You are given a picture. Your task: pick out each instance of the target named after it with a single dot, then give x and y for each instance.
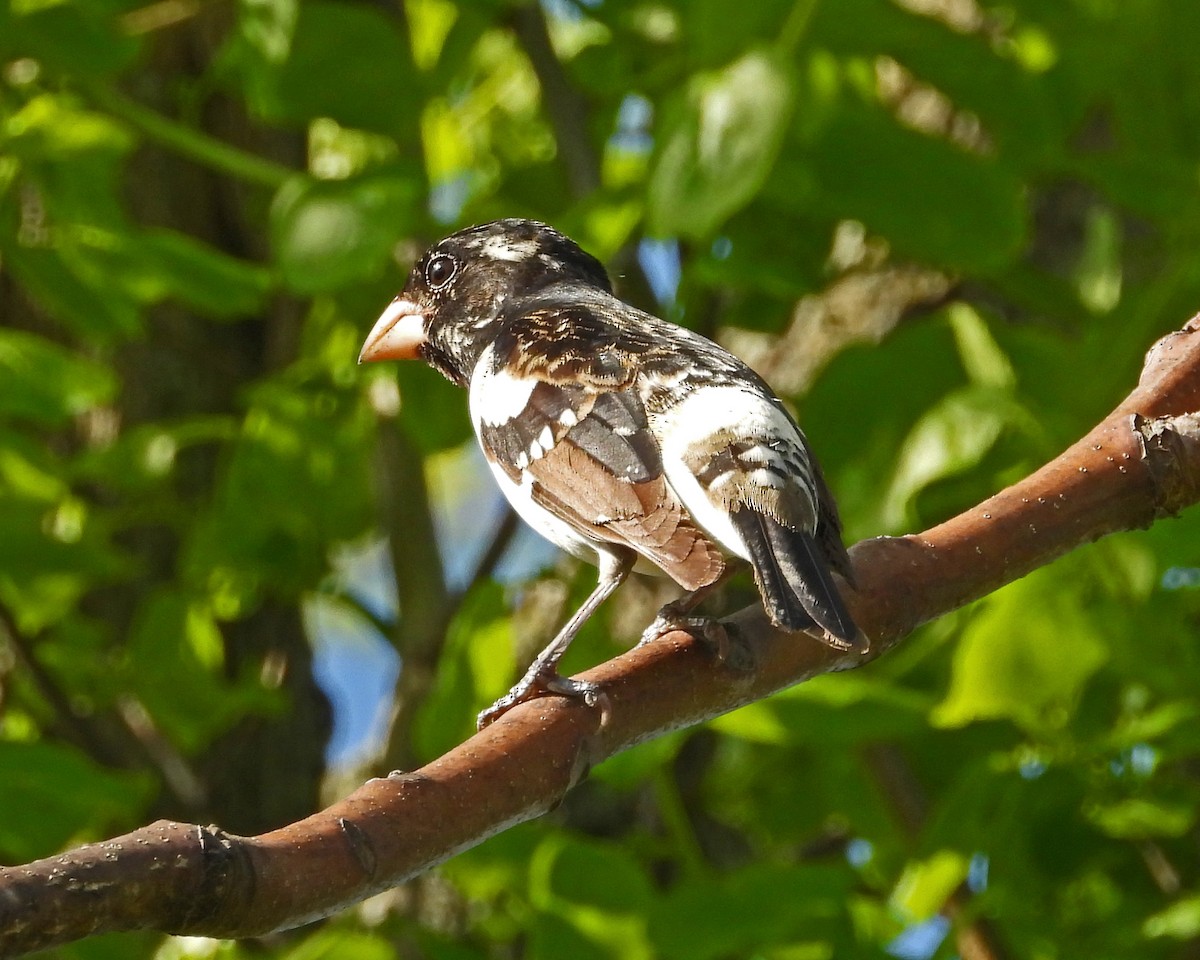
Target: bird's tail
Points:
(794, 580)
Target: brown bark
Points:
(1141, 463)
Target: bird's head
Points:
(464, 285)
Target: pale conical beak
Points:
(397, 334)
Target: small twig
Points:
(143, 738)
(159, 16)
(566, 107)
(189, 142)
(501, 539)
(354, 605)
(420, 581)
(182, 781)
(76, 730)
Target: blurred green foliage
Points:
(203, 206)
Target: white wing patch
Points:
(497, 396)
(764, 432)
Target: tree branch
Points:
(566, 108)
(420, 582)
(1139, 464)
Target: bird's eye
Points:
(440, 270)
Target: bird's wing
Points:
(742, 469)
(583, 452)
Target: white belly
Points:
(557, 531)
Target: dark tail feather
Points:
(794, 579)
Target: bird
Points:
(626, 440)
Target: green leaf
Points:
(926, 885)
(145, 457)
(842, 710)
(155, 265)
(296, 481)
(268, 26)
(42, 382)
(476, 666)
(497, 866)
(931, 200)
(57, 287)
(553, 937)
(951, 438)
(1140, 818)
(716, 31)
(54, 126)
(326, 234)
(50, 553)
(981, 356)
(630, 769)
(72, 38)
(52, 793)
(1027, 653)
(588, 874)
(176, 656)
(27, 469)
(1003, 84)
(1180, 921)
(201, 276)
(433, 410)
(758, 905)
(719, 148)
(337, 943)
(346, 61)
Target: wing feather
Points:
(592, 462)
(746, 474)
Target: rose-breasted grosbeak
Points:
(626, 440)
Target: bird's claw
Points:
(714, 633)
(538, 685)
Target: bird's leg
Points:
(542, 675)
(675, 616)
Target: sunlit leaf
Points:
(41, 381)
(339, 944)
(720, 146)
(1180, 921)
(952, 437)
(326, 234)
(1026, 654)
(176, 653)
(203, 277)
(56, 125)
(926, 885)
(1138, 818)
(476, 666)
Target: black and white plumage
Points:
(626, 440)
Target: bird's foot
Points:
(714, 633)
(534, 685)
